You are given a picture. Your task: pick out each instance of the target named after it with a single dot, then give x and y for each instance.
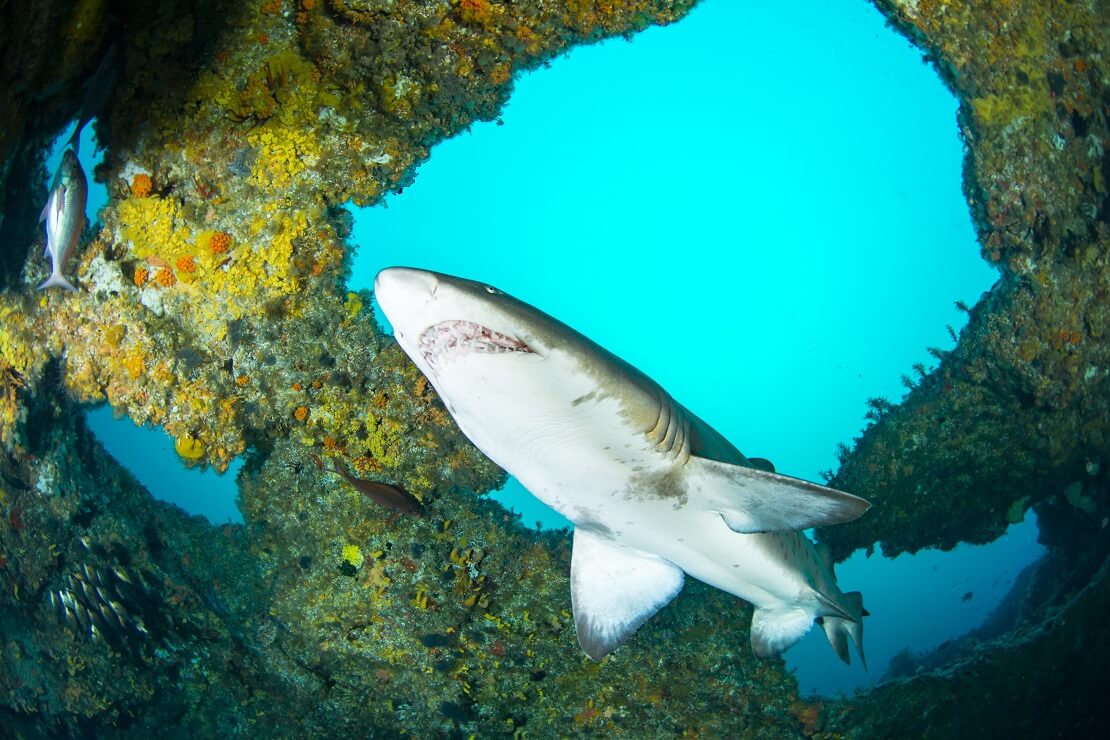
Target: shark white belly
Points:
(654, 492)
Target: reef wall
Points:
(211, 304)
(1019, 412)
(1017, 415)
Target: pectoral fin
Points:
(614, 590)
(752, 500)
(775, 630)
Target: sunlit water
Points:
(760, 209)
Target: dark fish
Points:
(967, 596)
(98, 89)
(112, 604)
(383, 494)
(82, 615)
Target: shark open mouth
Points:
(451, 339)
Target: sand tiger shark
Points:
(653, 491)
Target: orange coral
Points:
(501, 73)
(301, 413)
(808, 715)
(140, 276)
(141, 185)
(219, 242)
(186, 264)
(165, 277)
(476, 11)
(135, 363)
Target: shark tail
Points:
(57, 280)
(841, 629)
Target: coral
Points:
(352, 554)
(141, 185)
(189, 447)
(219, 242)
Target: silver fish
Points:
(64, 217)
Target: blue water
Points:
(775, 234)
(150, 456)
(917, 602)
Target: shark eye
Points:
(492, 290)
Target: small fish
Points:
(64, 216)
(383, 494)
(968, 596)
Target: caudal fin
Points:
(74, 142)
(841, 629)
(57, 280)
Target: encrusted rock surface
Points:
(211, 304)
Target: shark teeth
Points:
(451, 339)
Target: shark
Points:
(654, 493)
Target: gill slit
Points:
(671, 433)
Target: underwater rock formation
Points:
(1020, 409)
(1017, 415)
(211, 304)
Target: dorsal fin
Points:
(762, 463)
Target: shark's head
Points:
(437, 318)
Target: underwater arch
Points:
(316, 603)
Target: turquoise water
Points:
(773, 238)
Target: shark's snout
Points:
(404, 294)
(414, 285)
